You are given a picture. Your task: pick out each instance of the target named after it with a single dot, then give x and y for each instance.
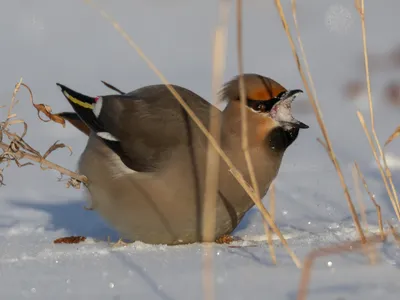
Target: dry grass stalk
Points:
(372, 253)
(18, 149)
(393, 136)
(359, 197)
(303, 54)
(372, 197)
(335, 249)
(314, 103)
(243, 112)
(213, 160)
(395, 234)
(385, 181)
(212, 167)
(266, 227)
(385, 176)
(234, 171)
(243, 108)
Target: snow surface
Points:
(67, 41)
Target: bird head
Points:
(266, 98)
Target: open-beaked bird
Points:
(145, 158)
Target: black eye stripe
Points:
(262, 105)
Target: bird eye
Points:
(261, 107)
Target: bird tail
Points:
(83, 106)
(76, 99)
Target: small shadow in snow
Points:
(141, 271)
(339, 291)
(73, 218)
(247, 220)
(252, 217)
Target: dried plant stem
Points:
(336, 249)
(318, 115)
(303, 54)
(243, 109)
(394, 233)
(269, 232)
(20, 154)
(359, 197)
(372, 253)
(234, 171)
(213, 160)
(16, 89)
(372, 197)
(364, 126)
(392, 193)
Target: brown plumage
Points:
(145, 158)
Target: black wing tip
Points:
(60, 85)
(112, 87)
(63, 88)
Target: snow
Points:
(67, 41)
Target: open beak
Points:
(282, 111)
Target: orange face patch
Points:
(264, 127)
(264, 92)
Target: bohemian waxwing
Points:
(145, 158)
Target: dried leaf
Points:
(54, 147)
(13, 102)
(44, 109)
(225, 239)
(22, 165)
(76, 184)
(11, 116)
(70, 240)
(394, 135)
(12, 122)
(18, 121)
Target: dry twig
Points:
(209, 216)
(372, 197)
(244, 122)
(359, 197)
(18, 149)
(381, 170)
(372, 253)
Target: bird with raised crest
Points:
(145, 158)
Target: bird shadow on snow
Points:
(73, 218)
(126, 262)
(340, 291)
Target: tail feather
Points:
(77, 99)
(83, 105)
(112, 87)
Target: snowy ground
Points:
(67, 41)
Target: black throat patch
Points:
(279, 139)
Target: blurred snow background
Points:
(68, 42)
